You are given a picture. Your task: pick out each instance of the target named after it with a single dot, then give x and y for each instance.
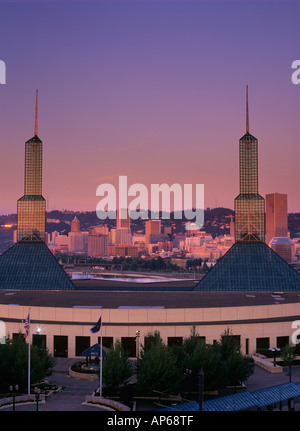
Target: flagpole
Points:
(29, 356)
(94, 329)
(100, 390)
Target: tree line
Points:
(175, 369)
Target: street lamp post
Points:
(188, 374)
(201, 386)
(37, 392)
(13, 391)
(274, 349)
(290, 367)
(137, 333)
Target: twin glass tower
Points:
(32, 206)
(249, 206)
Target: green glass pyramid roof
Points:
(28, 265)
(250, 267)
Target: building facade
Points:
(257, 321)
(276, 216)
(249, 206)
(31, 208)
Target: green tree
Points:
(134, 265)
(208, 358)
(14, 363)
(238, 368)
(160, 263)
(190, 343)
(288, 354)
(222, 362)
(157, 368)
(125, 266)
(116, 367)
(228, 343)
(151, 339)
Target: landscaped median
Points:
(76, 372)
(104, 402)
(266, 363)
(21, 399)
(83, 375)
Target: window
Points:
(129, 344)
(262, 343)
(39, 340)
(81, 344)
(174, 341)
(282, 341)
(60, 346)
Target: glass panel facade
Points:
(32, 206)
(33, 167)
(249, 206)
(31, 218)
(249, 218)
(248, 165)
(31, 265)
(250, 266)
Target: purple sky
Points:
(152, 90)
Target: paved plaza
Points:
(73, 391)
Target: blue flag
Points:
(97, 327)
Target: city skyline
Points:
(156, 92)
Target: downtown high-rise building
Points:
(152, 227)
(122, 233)
(249, 206)
(123, 219)
(32, 206)
(276, 216)
(277, 235)
(75, 225)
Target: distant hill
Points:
(216, 222)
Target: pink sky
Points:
(154, 91)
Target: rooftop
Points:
(28, 265)
(143, 299)
(251, 267)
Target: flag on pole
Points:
(97, 327)
(27, 326)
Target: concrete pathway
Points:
(72, 395)
(262, 379)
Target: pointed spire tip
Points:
(36, 110)
(247, 110)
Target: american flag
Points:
(27, 326)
